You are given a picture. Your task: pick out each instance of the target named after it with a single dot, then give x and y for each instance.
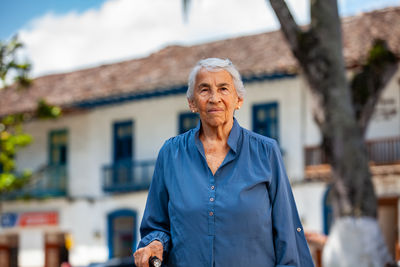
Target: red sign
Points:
(38, 218)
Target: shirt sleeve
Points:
(155, 223)
(291, 249)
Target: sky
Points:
(66, 35)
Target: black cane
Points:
(154, 262)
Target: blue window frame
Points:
(123, 141)
(54, 182)
(327, 210)
(58, 147)
(266, 120)
(122, 166)
(122, 228)
(187, 121)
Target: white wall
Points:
(84, 220)
(155, 120)
(83, 174)
(31, 247)
(386, 119)
(384, 123)
(90, 137)
(309, 201)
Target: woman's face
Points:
(215, 97)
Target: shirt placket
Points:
(211, 214)
(211, 206)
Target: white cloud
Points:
(123, 29)
(354, 7)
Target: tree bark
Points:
(319, 53)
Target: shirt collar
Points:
(233, 139)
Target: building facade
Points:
(93, 165)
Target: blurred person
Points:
(65, 264)
(220, 195)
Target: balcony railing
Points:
(380, 151)
(49, 181)
(128, 176)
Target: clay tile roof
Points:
(254, 55)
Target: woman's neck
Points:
(220, 133)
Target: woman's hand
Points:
(142, 255)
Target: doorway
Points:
(56, 251)
(9, 250)
(388, 221)
(121, 233)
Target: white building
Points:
(96, 161)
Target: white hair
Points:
(216, 64)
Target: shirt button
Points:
(212, 187)
(299, 229)
(212, 199)
(211, 213)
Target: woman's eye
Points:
(224, 90)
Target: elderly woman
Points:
(220, 195)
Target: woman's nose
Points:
(214, 96)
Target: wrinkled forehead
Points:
(213, 73)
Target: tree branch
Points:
(320, 54)
(288, 25)
(369, 83)
(325, 19)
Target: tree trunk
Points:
(319, 53)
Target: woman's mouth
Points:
(215, 110)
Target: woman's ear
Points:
(192, 105)
(239, 103)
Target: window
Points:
(266, 120)
(58, 147)
(123, 141)
(121, 233)
(187, 121)
(54, 181)
(122, 167)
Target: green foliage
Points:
(12, 136)
(10, 182)
(47, 111)
(368, 80)
(360, 92)
(380, 54)
(9, 62)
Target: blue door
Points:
(122, 233)
(327, 210)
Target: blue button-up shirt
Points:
(243, 215)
